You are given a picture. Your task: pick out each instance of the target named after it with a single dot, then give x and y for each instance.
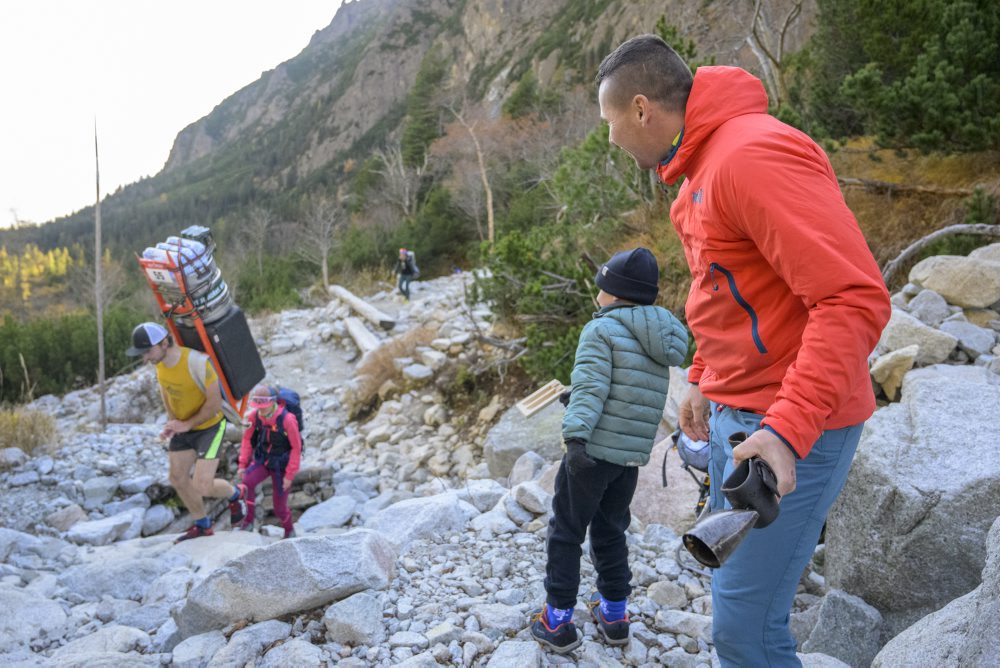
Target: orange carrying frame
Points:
(159, 273)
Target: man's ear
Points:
(641, 107)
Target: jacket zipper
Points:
(739, 300)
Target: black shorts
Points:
(206, 442)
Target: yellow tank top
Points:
(180, 391)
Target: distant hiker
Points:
(786, 303)
(272, 446)
(407, 269)
(619, 387)
(195, 426)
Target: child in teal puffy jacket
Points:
(619, 387)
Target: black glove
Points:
(564, 397)
(577, 459)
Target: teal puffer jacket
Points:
(620, 381)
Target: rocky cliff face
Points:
(346, 91)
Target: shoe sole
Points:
(204, 535)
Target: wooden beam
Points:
(363, 308)
(540, 398)
(365, 340)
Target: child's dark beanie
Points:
(631, 275)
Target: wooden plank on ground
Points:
(363, 308)
(363, 337)
(540, 398)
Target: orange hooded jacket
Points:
(786, 301)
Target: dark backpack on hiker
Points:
(263, 444)
(293, 404)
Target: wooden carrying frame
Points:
(160, 272)
(540, 398)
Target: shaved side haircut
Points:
(646, 65)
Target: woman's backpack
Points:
(294, 405)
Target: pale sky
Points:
(144, 70)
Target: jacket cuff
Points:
(784, 440)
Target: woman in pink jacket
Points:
(274, 443)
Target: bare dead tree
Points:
(400, 182)
(768, 45)
(256, 231)
(902, 188)
(101, 390)
(484, 178)
(85, 290)
(468, 196)
(317, 233)
(910, 251)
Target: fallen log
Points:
(902, 188)
(363, 308)
(363, 338)
(910, 251)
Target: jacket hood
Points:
(718, 94)
(652, 326)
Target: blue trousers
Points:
(404, 284)
(752, 593)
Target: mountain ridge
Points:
(343, 96)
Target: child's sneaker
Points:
(562, 639)
(616, 632)
(238, 507)
(195, 532)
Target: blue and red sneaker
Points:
(562, 639)
(615, 632)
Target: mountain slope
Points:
(344, 95)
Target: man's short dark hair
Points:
(646, 65)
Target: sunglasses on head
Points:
(262, 400)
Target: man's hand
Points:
(577, 459)
(288, 485)
(693, 414)
(175, 427)
(772, 450)
(240, 473)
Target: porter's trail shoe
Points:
(614, 632)
(195, 532)
(238, 506)
(562, 639)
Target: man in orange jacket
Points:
(786, 304)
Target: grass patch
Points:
(32, 431)
(380, 367)
(892, 222)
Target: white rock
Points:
(246, 645)
(197, 651)
(114, 638)
(27, 617)
(356, 620)
(314, 571)
(334, 512)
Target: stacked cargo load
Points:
(199, 308)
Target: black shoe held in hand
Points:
(577, 458)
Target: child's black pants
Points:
(597, 497)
